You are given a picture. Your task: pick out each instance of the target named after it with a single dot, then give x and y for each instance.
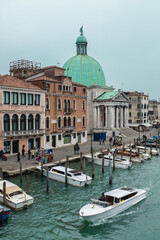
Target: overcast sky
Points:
(123, 36)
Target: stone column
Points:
(11, 123)
(98, 117)
(26, 122)
(18, 123)
(117, 110)
(111, 117)
(126, 117)
(95, 117)
(121, 117)
(106, 117)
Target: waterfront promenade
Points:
(12, 166)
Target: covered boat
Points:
(4, 213)
(74, 177)
(112, 203)
(119, 162)
(16, 198)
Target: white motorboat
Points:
(148, 150)
(74, 177)
(146, 155)
(112, 203)
(16, 198)
(119, 163)
(135, 157)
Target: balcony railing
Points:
(68, 129)
(23, 133)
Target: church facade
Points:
(107, 109)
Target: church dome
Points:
(82, 68)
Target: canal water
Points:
(54, 215)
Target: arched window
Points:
(47, 103)
(69, 106)
(83, 121)
(65, 122)
(74, 121)
(74, 104)
(83, 105)
(65, 105)
(47, 122)
(30, 122)
(15, 122)
(69, 121)
(23, 122)
(59, 122)
(6, 122)
(59, 104)
(37, 121)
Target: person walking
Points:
(18, 157)
(1, 154)
(77, 148)
(100, 141)
(29, 154)
(23, 151)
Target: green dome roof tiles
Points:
(85, 70)
(81, 39)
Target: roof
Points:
(81, 39)
(10, 81)
(119, 193)
(40, 79)
(61, 168)
(135, 94)
(107, 95)
(85, 70)
(54, 66)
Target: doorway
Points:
(15, 146)
(53, 141)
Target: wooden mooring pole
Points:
(151, 149)
(41, 168)
(67, 159)
(130, 153)
(145, 147)
(81, 160)
(20, 172)
(27, 184)
(84, 165)
(110, 171)
(66, 182)
(4, 193)
(92, 165)
(114, 156)
(47, 183)
(102, 163)
(1, 173)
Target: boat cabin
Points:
(70, 172)
(119, 195)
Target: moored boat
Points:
(119, 163)
(135, 157)
(153, 151)
(4, 213)
(74, 177)
(112, 203)
(16, 198)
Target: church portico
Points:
(110, 113)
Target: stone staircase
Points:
(126, 132)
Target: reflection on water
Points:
(54, 215)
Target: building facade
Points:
(65, 103)
(138, 109)
(22, 115)
(154, 111)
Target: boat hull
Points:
(118, 164)
(61, 178)
(17, 206)
(111, 211)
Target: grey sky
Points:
(123, 35)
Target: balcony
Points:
(68, 111)
(21, 133)
(68, 129)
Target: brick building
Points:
(66, 105)
(22, 115)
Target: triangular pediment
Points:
(120, 97)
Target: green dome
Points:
(85, 70)
(81, 39)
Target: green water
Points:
(55, 215)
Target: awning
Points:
(146, 125)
